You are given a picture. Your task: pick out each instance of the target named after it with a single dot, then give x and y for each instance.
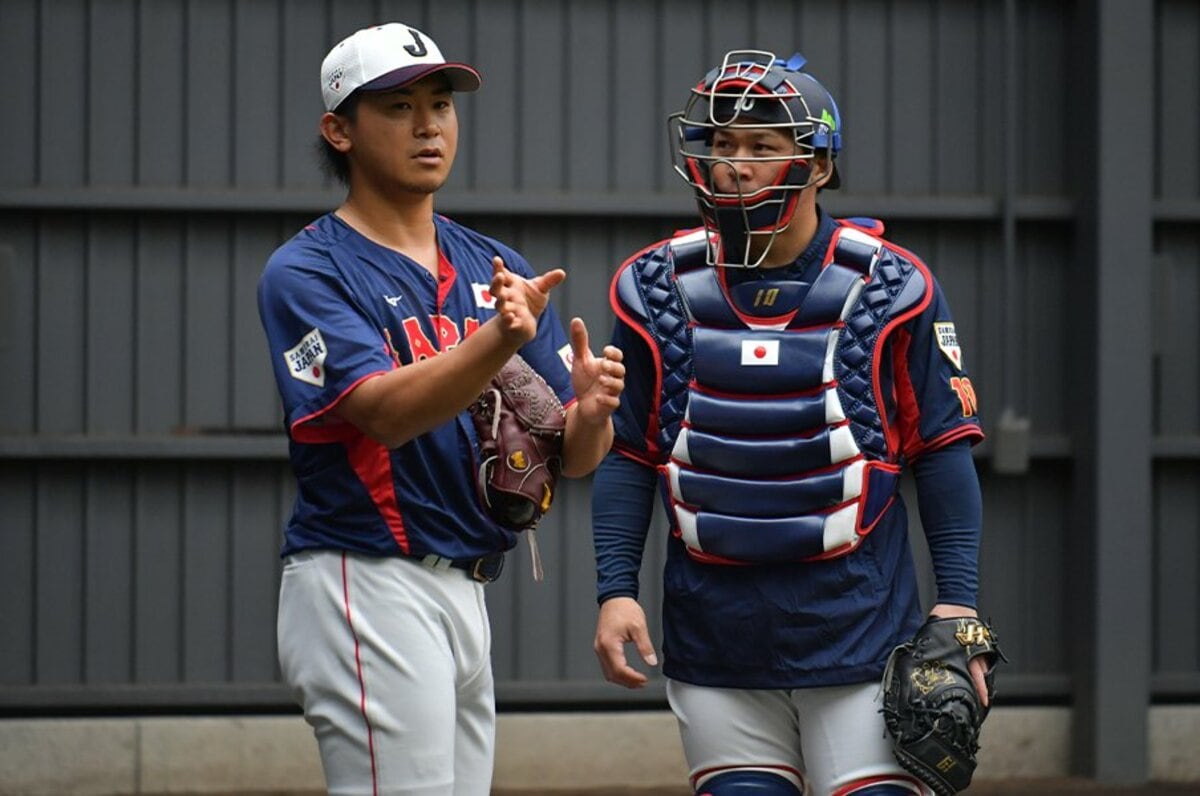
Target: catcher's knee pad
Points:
(750, 782)
(882, 786)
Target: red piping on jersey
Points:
(888, 432)
(362, 683)
(446, 277)
(336, 432)
(372, 462)
(908, 411)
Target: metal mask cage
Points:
(748, 91)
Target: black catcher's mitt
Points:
(930, 705)
(520, 423)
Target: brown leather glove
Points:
(520, 423)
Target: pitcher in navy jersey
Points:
(784, 368)
(384, 322)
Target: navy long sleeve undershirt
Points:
(623, 495)
(951, 508)
(948, 497)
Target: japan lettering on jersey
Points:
(339, 309)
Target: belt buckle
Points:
(487, 568)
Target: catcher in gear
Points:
(385, 321)
(934, 703)
(784, 370)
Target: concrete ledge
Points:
(535, 752)
(538, 751)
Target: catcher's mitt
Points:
(930, 705)
(520, 423)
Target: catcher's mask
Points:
(752, 89)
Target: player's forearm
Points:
(411, 400)
(619, 527)
(952, 515)
(584, 443)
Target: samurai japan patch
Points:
(306, 360)
(947, 341)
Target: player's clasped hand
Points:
(520, 301)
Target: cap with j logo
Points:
(385, 57)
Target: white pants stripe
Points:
(391, 662)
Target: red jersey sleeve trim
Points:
(966, 431)
(334, 432)
(641, 457)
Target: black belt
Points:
(484, 569)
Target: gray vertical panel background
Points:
(167, 149)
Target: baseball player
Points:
(384, 322)
(783, 368)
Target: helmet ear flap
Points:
(799, 173)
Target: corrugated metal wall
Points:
(154, 153)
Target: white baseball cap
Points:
(383, 57)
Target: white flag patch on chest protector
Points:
(947, 341)
(760, 352)
(306, 361)
(483, 295)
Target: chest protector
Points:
(771, 441)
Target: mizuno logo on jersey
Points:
(760, 352)
(483, 295)
(394, 300)
(306, 360)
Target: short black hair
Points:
(333, 163)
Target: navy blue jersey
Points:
(339, 309)
(815, 623)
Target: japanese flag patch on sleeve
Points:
(306, 360)
(947, 341)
